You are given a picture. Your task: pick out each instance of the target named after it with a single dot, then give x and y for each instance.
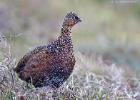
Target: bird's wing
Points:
(36, 66)
(21, 64)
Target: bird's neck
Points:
(65, 37)
(63, 44)
(65, 30)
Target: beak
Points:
(79, 20)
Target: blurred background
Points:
(110, 29)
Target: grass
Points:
(98, 82)
(107, 30)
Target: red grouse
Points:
(50, 65)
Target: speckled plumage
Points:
(52, 64)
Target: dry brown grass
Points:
(83, 84)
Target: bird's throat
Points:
(65, 31)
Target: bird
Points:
(50, 65)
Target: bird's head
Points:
(70, 20)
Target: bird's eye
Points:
(76, 18)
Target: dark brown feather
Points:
(52, 64)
